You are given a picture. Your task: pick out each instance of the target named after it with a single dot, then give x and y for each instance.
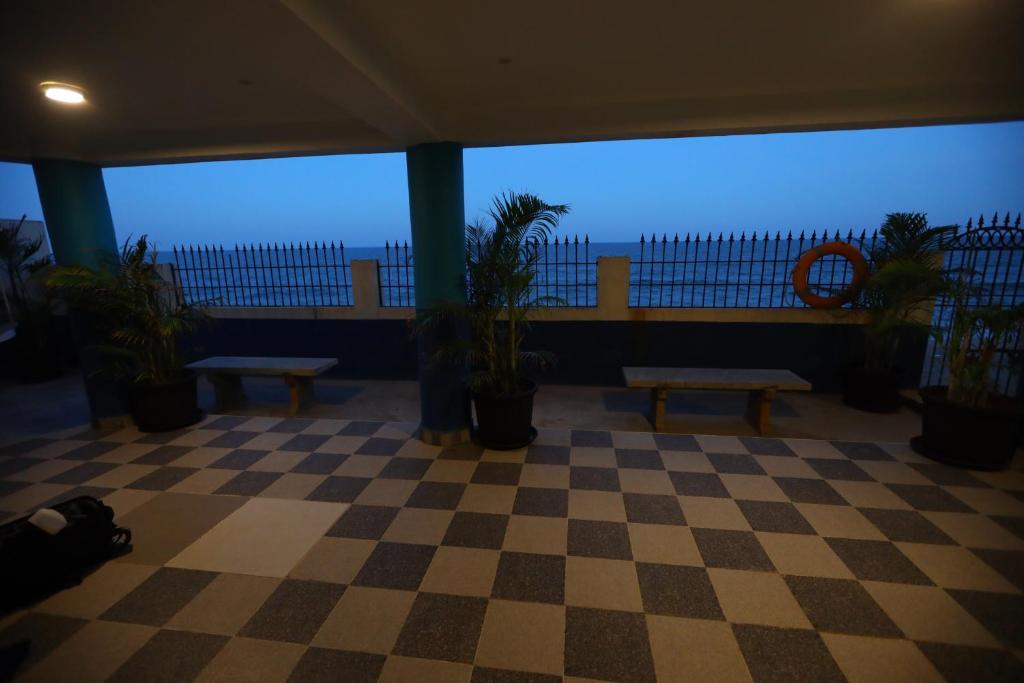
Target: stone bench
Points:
(226, 372)
(762, 385)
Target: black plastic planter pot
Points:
(873, 392)
(977, 438)
(505, 422)
(165, 406)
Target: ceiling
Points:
(200, 79)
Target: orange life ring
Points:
(803, 267)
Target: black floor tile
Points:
(599, 539)
(877, 561)
(239, 459)
(841, 606)
(24, 447)
(639, 458)
(396, 565)
(81, 473)
(735, 463)
(701, 484)
(294, 612)
(45, 633)
(406, 468)
(759, 445)
(1000, 613)
(162, 479)
(248, 483)
(929, 498)
(594, 478)
(773, 516)
(319, 463)
(861, 450)
(548, 455)
(436, 495)
(360, 428)
(339, 489)
(476, 530)
(541, 502)
(944, 475)
(233, 439)
(170, 657)
(678, 591)
(364, 521)
(226, 422)
(593, 439)
(13, 464)
(727, 549)
(962, 664)
(306, 443)
(838, 470)
(89, 451)
(677, 442)
(163, 455)
(809, 491)
(163, 437)
(606, 645)
(1009, 563)
(500, 473)
(379, 446)
(653, 509)
(98, 492)
(321, 665)
(783, 655)
(292, 425)
(906, 526)
(528, 577)
(159, 597)
(1015, 525)
(483, 674)
(445, 627)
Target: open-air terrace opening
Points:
(496, 450)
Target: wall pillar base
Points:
(438, 438)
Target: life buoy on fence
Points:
(803, 268)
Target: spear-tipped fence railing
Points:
(264, 275)
(565, 275)
(748, 271)
(990, 256)
(395, 276)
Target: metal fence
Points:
(395, 276)
(564, 275)
(264, 275)
(731, 272)
(991, 259)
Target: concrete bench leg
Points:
(228, 391)
(302, 395)
(657, 416)
(759, 410)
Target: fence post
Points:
(613, 287)
(365, 287)
(172, 287)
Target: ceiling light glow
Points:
(62, 92)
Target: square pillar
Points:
(438, 216)
(81, 231)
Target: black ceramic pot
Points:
(977, 438)
(505, 422)
(161, 407)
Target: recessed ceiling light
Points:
(64, 93)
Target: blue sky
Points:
(843, 179)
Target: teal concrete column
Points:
(438, 215)
(81, 230)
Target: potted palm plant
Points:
(501, 262)
(29, 306)
(143, 323)
(966, 423)
(906, 277)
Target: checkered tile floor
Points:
(311, 550)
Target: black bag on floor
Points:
(34, 564)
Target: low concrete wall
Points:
(592, 344)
